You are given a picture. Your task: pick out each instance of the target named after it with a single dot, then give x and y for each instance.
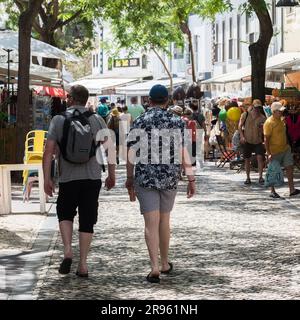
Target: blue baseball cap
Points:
(159, 93)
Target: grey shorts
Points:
(284, 158)
(155, 200)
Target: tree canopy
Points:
(59, 21)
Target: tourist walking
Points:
(277, 146)
(135, 109)
(155, 182)
(251, 134)
(74, 134)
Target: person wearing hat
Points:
(277, 146)
(155, 180)
(251, 134)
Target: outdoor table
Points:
(5, 185)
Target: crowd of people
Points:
(71, 139)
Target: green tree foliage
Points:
(59, 22)
(154, 24)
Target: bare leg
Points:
(66, 230)
(247, 167)
(261, 165)
(290, 176)
(164, 239)
(152, 221)
(85, 240)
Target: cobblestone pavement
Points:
(229, 242)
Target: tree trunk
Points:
(191, 49)
(186, 30)
(166, 68)
(259, 50)
(23, 117)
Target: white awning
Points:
(10, 40)
(96, 86)
(282, 62)
(37, 74)
(143, 88)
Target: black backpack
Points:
(77, 145)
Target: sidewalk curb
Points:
(36, 260)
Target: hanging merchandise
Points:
(41, 112)
(223, 115)
(234, 114)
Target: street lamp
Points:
(287, 3)
(8, 68)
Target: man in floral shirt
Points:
(155, 145)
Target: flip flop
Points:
(65, 266)
(295, 193)
(82, 275)
(169, 270)
(153, 279)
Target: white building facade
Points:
(220, 48)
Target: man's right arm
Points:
(267, 138)
(49, 152)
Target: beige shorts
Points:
(155, 200)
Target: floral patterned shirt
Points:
(167, 129)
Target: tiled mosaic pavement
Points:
(229, 242)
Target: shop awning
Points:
(98, 85)
(282, 63)
(50, 91)
(37, 73)
(10, 40)
(143, 88)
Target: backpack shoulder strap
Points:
(88, 113)
(64, 140)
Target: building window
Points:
(97, 60)
(238, 37)
(230, 49)
(110, 63)
(178, 52)
(223, 42)
(274, 20)
(144, 61)
(247, 23)
(252, 37)
(231, 41)
(217, 55)
(94, 61)
(196, 43)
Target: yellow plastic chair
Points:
(34, 149)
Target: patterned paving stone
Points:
(229, 242)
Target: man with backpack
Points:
(73, 134)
